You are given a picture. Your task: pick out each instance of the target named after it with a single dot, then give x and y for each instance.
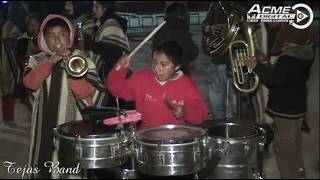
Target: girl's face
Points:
(57, 36)
(163, 67)
(98, 10)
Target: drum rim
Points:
(65, 135)
(139, 138)
(258, 135)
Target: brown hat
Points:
(290, 34)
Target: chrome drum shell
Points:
(241, 151)
(93, 146)
(171, 156)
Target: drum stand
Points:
(229, 105)
(129, 173)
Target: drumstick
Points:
(144, 41)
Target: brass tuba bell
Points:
(76, 66)
(215, 45)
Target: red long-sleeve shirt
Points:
(33, 80)
(149, 96)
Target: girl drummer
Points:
(163, 95)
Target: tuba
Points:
(244, 78)
(215, 45)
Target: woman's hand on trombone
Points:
(123, 62)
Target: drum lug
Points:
(257, 176)
(128, 174)
(196, 176)
(78, 148)
(206, 146)
(113, 151)
(246, 147)
(55, 141)
(143, 158)
(130, 151)
(225, 148)
(196, 155)
(161, 158)
(261, 146)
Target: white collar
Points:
(178, 74)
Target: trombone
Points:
(76, 65)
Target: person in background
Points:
(287, 103)
(72, 10)
(108, 43)
(59, 98)
(27, 46)
(17, 12)
(9, 68)
(222, 94)
(177, 29)
(226, 101)
(83, 23)
(163, 95)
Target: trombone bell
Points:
(76, 66)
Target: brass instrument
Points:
(215, 45)
(244, 79)
(76, 66)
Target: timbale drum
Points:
(170, 150)
(93, 145)
(240, 150)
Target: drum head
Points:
(170, 134)
(233, 131)
(87, 129)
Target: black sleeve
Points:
(105, 49)
(274, 75)
(110, 54)
(21, 51)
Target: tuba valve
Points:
(241, 77)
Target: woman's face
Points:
(163, 67)
(57, 36)
(98, 10)
(33, 26)
(69, 7)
